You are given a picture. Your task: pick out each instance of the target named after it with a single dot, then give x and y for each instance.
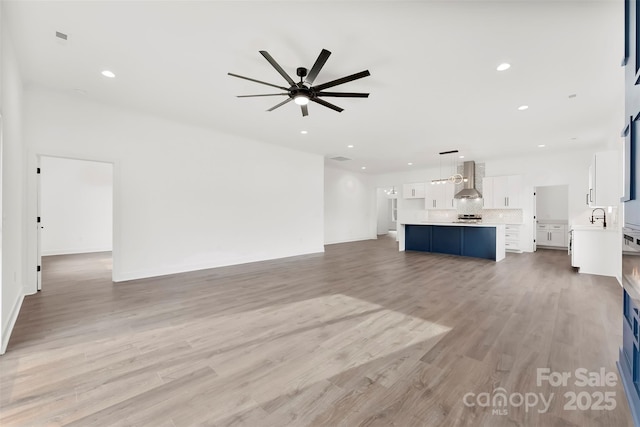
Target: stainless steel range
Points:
(469, 218)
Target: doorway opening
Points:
(551, 206)
(387, 212)
(75, 214)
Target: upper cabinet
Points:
(413, 191)
(603, 180)
(439, 196)
(502, 192)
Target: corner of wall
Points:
(8, 328)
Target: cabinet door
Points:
(408, 192)
(487, 192)
(444, 199)
(431, 194)
(439, 196)
(413, 191)
(557, 238)
(592, 185)
(514, 191)
(500, 192)
(606, 189)
(542, 237)
(448, 202)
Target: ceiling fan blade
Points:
(277, 66)
(257, 81)
(327, 104)
(267, 94)
(317, 66)
(337, 82)
(343, 94)
(305, 110)
(281, 104)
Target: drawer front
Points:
(543, 226)
(511, 245)
(557, 227)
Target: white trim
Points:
(6, 333)
(72, 251)
(176, 269)
(33, 160)
(355, 239)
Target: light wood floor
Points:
(360, 335)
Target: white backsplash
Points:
(489, 216)
(502, 216)
(469, 206)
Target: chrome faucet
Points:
(603, 217)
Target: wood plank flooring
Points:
(362, 335)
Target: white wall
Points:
(350, 206)
(13, 200)
(552, 202)
(185, 198)
(76, 206)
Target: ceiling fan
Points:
(303, 92)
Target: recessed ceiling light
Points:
(108, 73)
(523, 107)
(503, 66)
(304, 132)
(349, 146)
(364, 167)
(461, 157)
(410, 164)
(541, 145)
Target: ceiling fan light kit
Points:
(303, 92)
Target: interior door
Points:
(535, 222)
(38, 231)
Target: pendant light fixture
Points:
(455, 177)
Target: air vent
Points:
(61, 36)
(340, 159)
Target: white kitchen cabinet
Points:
(596, 250)
(604, 174)
(512, 238)
(413, 191)
(551, 234)
(439, 196)
(502, 192)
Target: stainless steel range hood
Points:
(469, 191)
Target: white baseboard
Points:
(354, 239)
(185, 268)
(6, 331)
(73, 251)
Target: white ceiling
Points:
(433, 81)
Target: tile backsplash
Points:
(502, 216)
(489, 216)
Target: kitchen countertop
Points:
(594, 227)
(462, 224)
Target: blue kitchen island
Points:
(471, 240)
